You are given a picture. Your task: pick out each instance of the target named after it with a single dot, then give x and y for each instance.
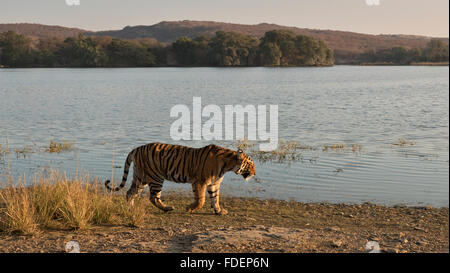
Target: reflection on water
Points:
(107, 112)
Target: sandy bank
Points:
(254, 225)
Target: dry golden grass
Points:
(133, 215)
(72, 203)
(47, 200)
(76, 208)
(103, 207)
(17, 211)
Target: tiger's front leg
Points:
(213, 191)
(199, 194)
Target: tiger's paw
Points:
(168, 208)
(221, 212)
(190, 209)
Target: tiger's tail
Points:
(130, 158)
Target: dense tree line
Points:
(20, 51)
(276, 48)
(284, 48)
(436, 51)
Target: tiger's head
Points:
(246, 166)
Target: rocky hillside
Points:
(41, 31)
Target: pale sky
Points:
(420, 17)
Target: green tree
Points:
(122, 53)
(45, 55)
(233, 49)
(81, 52)
(282, 47)
(184, 49)
(436, 51)
(270, 54)
(15, 50)
(278, 47)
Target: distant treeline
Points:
(276, 48)
(436, 51)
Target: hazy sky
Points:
(422, 17)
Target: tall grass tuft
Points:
(133, 215)
(17, 210)
(76, 208)
(47, 201)
(103, 207)
(75, 203)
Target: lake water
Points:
(107, 112)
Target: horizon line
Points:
(321, 29)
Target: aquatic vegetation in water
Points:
(340, 147)
(23, 151)
(57, 147)
(53, 147)
(401, 142)
(334, 147)
(286, 151)
(3, 150)
(356, 148)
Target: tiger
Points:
(203, 168)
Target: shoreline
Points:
(265, 66)
(255, 225)
(411, 64)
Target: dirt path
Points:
(254, 225)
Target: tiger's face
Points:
(246, 166)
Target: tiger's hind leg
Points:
(199, 193)
(155, 195)
(137, 186)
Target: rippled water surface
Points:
(107, 112)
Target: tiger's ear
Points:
(238, 153)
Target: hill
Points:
(41, 31)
